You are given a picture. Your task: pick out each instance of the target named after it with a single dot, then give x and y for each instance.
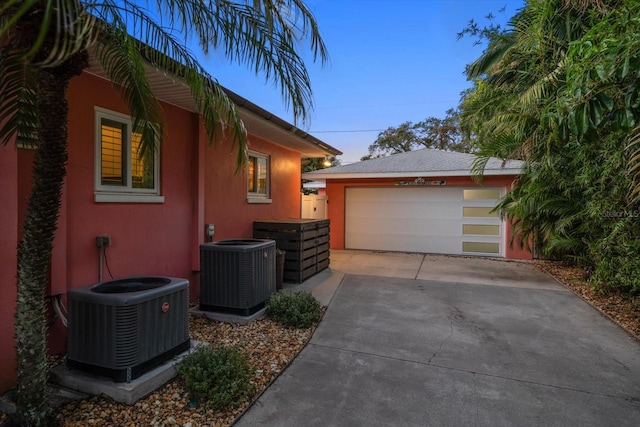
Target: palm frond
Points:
(124, 59)
(123, 63)
(18, 113)
(477, 167)
(262, 35)
(293, 18)
(64, 29)
(541, 88)
(73, 31)
(494, 54)
(11, 11)
(265, 45)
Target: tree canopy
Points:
(314, 163)
(442, 134)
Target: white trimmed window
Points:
(258, 178)
(122, 175)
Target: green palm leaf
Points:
(17, 99)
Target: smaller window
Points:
(482, 194)
(258, 177)
(483, 247)
(474, 212)
(480, 229)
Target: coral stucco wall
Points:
(336, 191)
(8, 261)
(146, 238)
(226, 203)
(199, 184)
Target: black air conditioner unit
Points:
(124, 328)
(237, 276)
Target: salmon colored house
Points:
(156, 212)
(420, 201)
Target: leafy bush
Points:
(219, 376)
(295, 309)
(616, 259)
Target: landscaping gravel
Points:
(617, 305)
(269, 346)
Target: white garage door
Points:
(443, 220)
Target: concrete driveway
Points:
(414, 340)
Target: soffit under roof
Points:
(257, 120)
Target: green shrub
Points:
(617, 266)
(218, 376)
(295, 309)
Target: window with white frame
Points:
(123, 174)
(258, 177)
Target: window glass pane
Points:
(469, 212)
(119, 166)
(263, 174)
(251, 175)
(491, 248)
(258, 175)
(113, 162)
(482, 194)
(485, 230)
(142, 168)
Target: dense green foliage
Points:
(219, 377)
(560, 89)
(295, 309)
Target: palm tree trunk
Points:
(34, 250)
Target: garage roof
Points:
(418, 163)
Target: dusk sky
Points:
(391, 61)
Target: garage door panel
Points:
(403, 194)
(421, 219)
(400, 242)
(409, 213)
(411, 209)
(423, 210)
(414, 226)
(420, 210)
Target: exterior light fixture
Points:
(326, 163)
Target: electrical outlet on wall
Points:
(103, 241)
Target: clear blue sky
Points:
(391, 61)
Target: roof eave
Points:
(258, 121)
(265, 115)
(431, 174)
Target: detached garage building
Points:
(420, 201)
